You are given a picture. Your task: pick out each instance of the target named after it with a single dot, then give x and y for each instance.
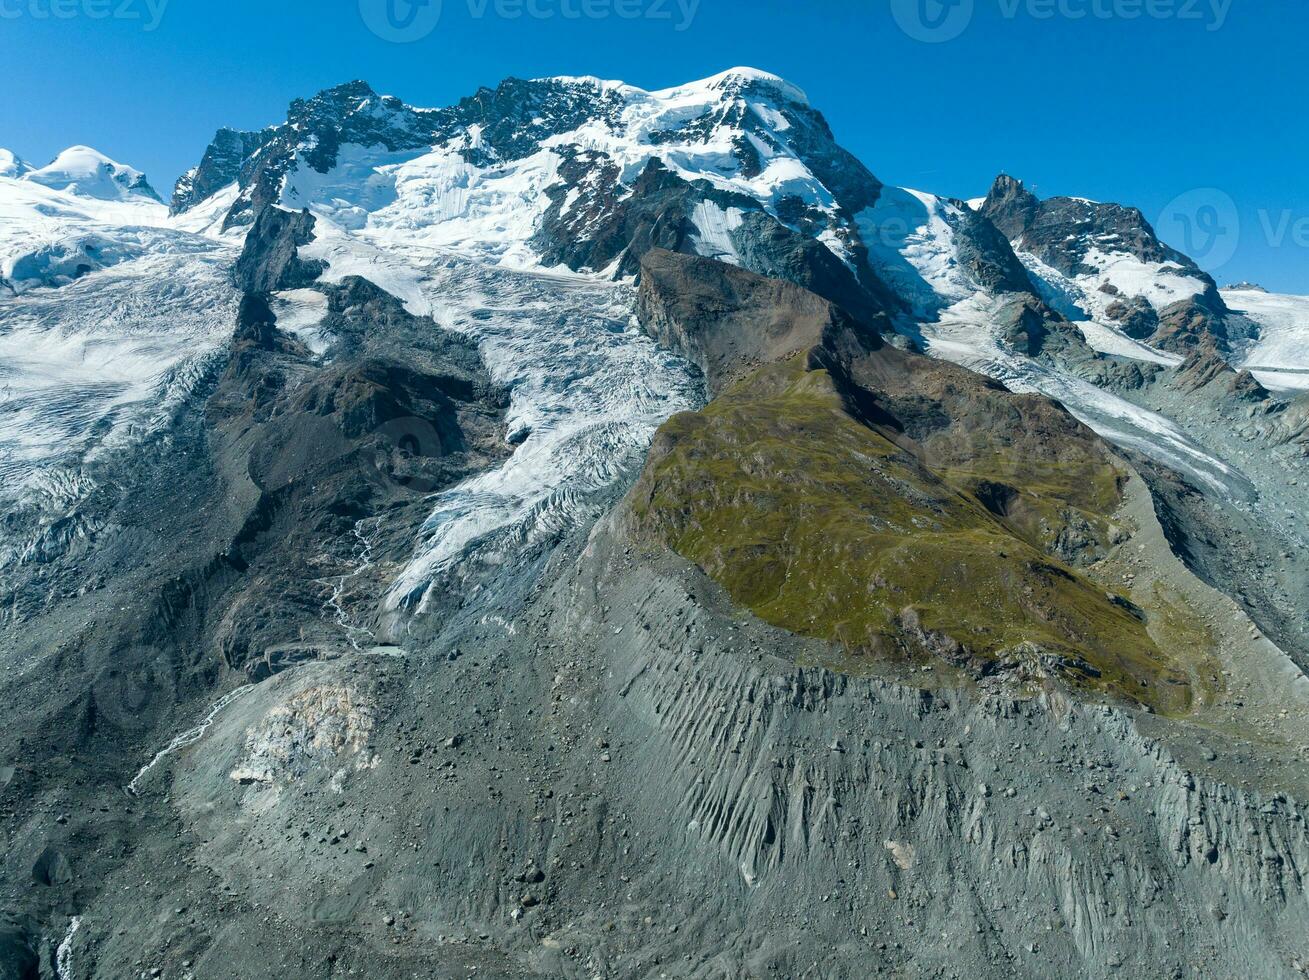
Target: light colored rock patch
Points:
(902, 854)
(326, 726)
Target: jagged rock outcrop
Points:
(729, 322)
(1135, 315)
(220, 166)
(1077, 238)
(270, 259)
(988, 256)
(1062, 230)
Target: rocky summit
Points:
(585, 532)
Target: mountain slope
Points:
(526, 538)
(839, 479)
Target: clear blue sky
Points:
(1108, 106)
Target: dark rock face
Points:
(220, 166)
(729, 322)
(19, 959)
(223, 551)
(988, 256)
(517, 115)
(1062, 231)
(1189, 322)
(402, 409)
(1135, 315)
(270, 260)
(624, 224)
(1011, 207)
(1207, 374)
(1027, 323)
(655, 214)
(769, 248)
(1028, 326)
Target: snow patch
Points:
(910, 238)
(300, 312)
(714, 227)
(1108, 340)
(1279, 358)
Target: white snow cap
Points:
(722, 80)
(88, 172)
(11, 165)
(785, 89)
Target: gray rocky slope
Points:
(229, 757)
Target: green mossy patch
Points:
(825, 527)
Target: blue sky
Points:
(1137, 101)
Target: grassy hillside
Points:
(822, 525)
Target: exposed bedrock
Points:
(912, 830)
(270, 259)
(231, 548)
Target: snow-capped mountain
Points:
(89, 173)
(80, 213)
(562, 172)
(426, 492)
(108, 317)
(578, 176)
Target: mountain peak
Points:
(86, 171)
(11, 165)
(732, 82)
(1010, 206)
(740, 79)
